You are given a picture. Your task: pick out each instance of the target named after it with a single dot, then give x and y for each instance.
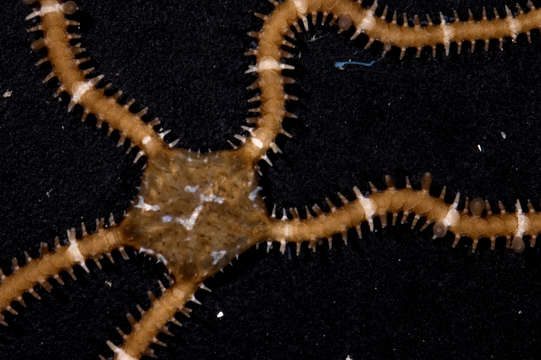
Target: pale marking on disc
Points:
(253, 194)
(79, 89)
(191, 189)
(522, 221)
(146, 207)
(189, 223)
(217, 256)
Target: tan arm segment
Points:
(473, 224)
(349, 14)
(83, 91)
(137, 343)
(49, 264)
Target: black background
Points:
(394, 295)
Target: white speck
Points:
(48, 193)
(254, 192)
(217, 256)
(146, 140)
(520, 312)
(220, 315)
(348, 357)
(166, 218)
(7, 94)
(146, 207)
(504, 135)
(108, 283)
(479, 148)
(191, 189)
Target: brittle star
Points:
(199, 211)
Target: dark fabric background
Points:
(471, 119)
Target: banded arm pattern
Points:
(81, 85)
(276, 35)
(476, 221)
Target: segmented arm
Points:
(276, 31)
(74, 81)
(476, 221)
(153, 321)
(50, 264)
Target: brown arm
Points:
(74, 81)
(51, 263)
(476, 221)
(153, 321)
(351, 14)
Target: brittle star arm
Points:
(62, 56)
(276, 32)
(476, 221)
(51, 263)
(153, 321)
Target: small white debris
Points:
(220, 315)
(108, 283)
(520, 312)
(146, 140)
(479, 148)
(504, 135)
(7, 94)
(348, 357)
